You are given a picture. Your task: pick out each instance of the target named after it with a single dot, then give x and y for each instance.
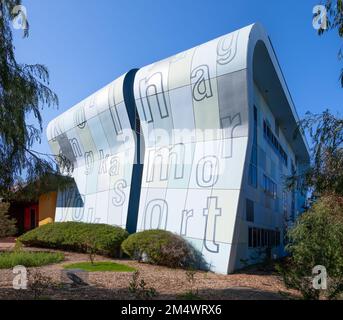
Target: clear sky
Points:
(88, 43)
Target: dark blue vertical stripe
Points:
(136, 181)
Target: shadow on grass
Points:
(97, 293)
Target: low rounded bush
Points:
(160, 247)
(77, 236)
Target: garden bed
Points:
(169, 283)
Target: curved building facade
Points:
(197, 144)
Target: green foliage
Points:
(325, 174)
(75, 236)
(23, 91)
(28, 259)
(160, 247)
(30, 192)
(100, 267)
(334, 9)
(139, 288)
(191, 294)
(316, 239)
(91, 246)
(7, 225)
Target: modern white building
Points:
(197, 144)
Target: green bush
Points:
(7, 225)
(316, 239)
(76, 236)
(160, 247)
(28, 259)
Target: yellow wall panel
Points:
(47, 207)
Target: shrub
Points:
(139, 289)
(316, 239)
(77, 236)
(7, 225)
(28, 259)
(39, 283)
(160, 247)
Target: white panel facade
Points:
(209, 161)
(100, 145)
(194, 162)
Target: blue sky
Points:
(88, 43)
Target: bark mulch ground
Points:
(168, 283)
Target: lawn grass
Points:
(28, 259)
(100, 266)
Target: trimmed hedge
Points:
(161, 248)
(77, 236)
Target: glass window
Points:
(269, 187)
(249, 210)
(253, 160)
(254, 232)
(254, 156)
(261, 238)
(272, 139)
(250, 242)
(253, 175)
